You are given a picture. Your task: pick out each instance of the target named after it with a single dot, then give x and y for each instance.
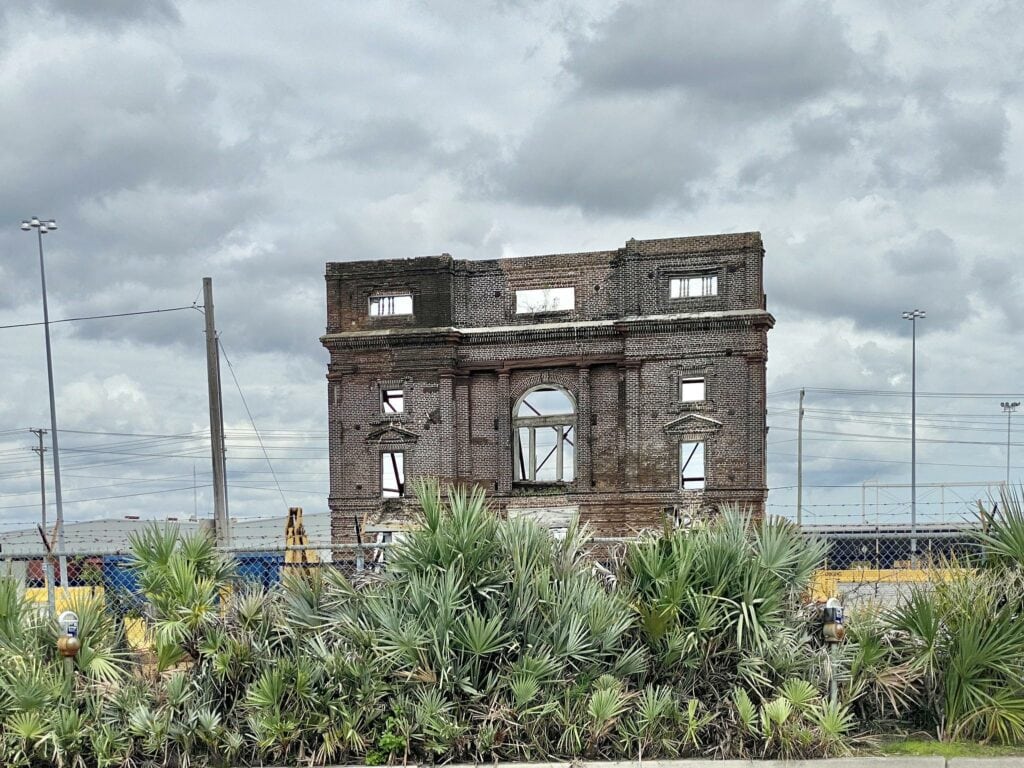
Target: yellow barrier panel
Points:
(828, 583)
(63, 599)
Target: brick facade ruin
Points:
(443, 367)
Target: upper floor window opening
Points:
(392, 400)
(534, 300)
(692, 287)
(692, 390)
(391, 304)
(544, 430)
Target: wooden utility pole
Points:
(800, 463)
(221, 522)
(47, 562)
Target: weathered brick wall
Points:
(350, 285)
(620, 354)
(489, 298)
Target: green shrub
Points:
(489, 640)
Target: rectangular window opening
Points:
(534, 300)
(393, 304)
(693, 287)
(545, 454)
(691, 466)
(392, 400)
(692, 390)
(392, 474)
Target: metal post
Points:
(913, 442)
(1008, 409)
(51, 601)
(221, 521)
(833, 684)
(800, 462)
(912, 316)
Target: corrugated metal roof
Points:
(113, 535)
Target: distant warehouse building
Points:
(619, 386)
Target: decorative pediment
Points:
(391, 434)
(693, 424)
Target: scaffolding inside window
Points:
(544, 430)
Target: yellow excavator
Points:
(296, 541)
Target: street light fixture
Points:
(42, 227)
(1008, 409)
(913, 316)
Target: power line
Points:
(961, 415)
(857, 504)
(133, 481)
(123, 496)
(929, 424)
(252, 421)
(902, 461)
(978, 484)
(196, 433)
(893, 393)
(889, 438)
(102, 317)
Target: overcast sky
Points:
(877, 146)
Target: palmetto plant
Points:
(487, 639)
(47, 705)
(717, 605)
(960, 640)
(1002, 535)
(514, 638)
(881, 682)
(965, 641)
(796, 722)
(182, 579)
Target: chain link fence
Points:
(881, 564)
(876, 563)
(110, 575)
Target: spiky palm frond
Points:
(1002, 534)
(967, 644)
(799, 693)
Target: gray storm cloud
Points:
(879, 154)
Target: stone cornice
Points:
(585, 329)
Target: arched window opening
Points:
(544, 426)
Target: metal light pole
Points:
(1008, 409)
(800, 463)
(913, 316)
(42, 227)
